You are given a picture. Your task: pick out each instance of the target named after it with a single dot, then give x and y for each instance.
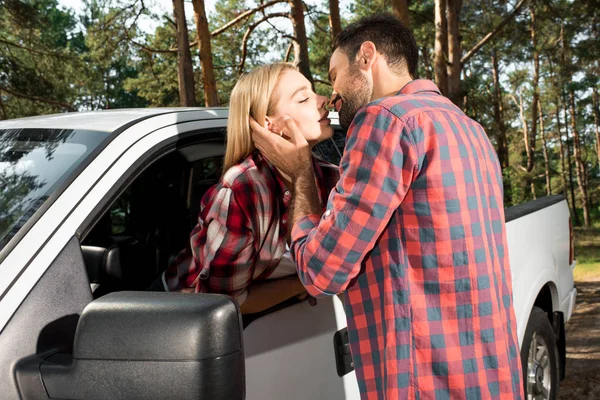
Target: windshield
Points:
(33, 163)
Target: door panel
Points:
(290, 354)
(47, 319)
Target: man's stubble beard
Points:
(355, 99)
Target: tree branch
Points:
(322, 82)
(118, 13)
(493, 33)
(169, 20)
(36, 98)
(249, 31)
(44, 53)
(244, 15)
(4, 113)
(315, 23)
(289, 51)
(151, 50)
(276, 29)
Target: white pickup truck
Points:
(92, 207)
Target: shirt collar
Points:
(418, 86)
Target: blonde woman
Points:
(240, 241)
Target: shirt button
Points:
(327, 213)
(286, 193)
(284, 221)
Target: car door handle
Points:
(343, 357)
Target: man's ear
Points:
(367, 55)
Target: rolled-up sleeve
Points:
(377, 168)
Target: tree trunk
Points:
(563, 69)
(570, 162)
(426, 59)
(211, 98)
(454, 50)
(441, 46)
(400, 8)
(501, 143)
(563, 173)
(579, 165)
(525, 127)
(185, 72)
(536, 92)
(545, 151)
(335, 23)
(3, 108)
(301, 42)
(502, 148)
(596, 121)
(465, 100)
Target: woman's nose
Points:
(321, 101)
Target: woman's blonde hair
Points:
(253, 97)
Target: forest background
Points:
(527, 70)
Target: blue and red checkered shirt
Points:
(414, 234)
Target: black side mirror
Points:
(148, 345)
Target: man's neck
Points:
(389, 85)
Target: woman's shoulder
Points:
(249, 173)
(247, 185)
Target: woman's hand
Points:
(288, 151)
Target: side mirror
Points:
(150, 345)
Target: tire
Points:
(539, 358)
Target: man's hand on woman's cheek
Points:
(288, 150)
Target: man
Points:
(414, 231)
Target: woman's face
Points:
(296, 99)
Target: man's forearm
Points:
(306, 195)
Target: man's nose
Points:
(332, 100)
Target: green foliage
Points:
(52, 60)
(108, 56)
(319, 48)
(227, 47)
(34, 46)
(156, 80)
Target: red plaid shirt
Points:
(414, 234)
(242, 229)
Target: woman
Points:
(242, 231)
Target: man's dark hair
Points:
(391, 38)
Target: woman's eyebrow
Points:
(298, 90)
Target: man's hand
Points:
(289, 151)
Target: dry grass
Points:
(587, 254)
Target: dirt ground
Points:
(583, 346)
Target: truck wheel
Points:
(539, 358)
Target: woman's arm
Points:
(224, 246)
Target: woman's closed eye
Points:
(305, 100)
